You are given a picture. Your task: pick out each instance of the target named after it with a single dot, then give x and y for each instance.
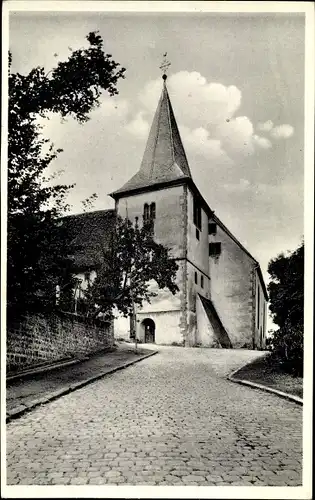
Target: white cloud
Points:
(282, 131)
(138, 126)
(265, 127)
(198, 142)
(236, 135)
(205, 112)
(195, 101)
(261, 142)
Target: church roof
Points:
(164, 158)
(90, 235)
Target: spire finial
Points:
(164, 66)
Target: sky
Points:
(236, 83)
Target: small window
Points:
(201, 281)
(152, 211)
(145, 212)
(196, 278)
(214, 249)
(197, 213)
(212, 228)
(197, 234)
(148, 217)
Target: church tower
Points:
(158, 191)
(222, 297)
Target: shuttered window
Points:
(214, 249)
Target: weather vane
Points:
(164, 66)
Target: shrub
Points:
(286, 347)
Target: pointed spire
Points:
(164, 157)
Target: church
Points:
(222, 298)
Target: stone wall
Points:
(38, 339)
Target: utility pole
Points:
(133, 310)
(133, 330)
(134, 326)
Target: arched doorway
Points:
(148, 326)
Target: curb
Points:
(265, 388)
(22, 409)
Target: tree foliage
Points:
(286, 288)
(131, 263)
(286, 345)
(38, 252)
(286, 292)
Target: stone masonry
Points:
(38, 339)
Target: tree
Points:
(286, 288)
(38, 250)
(286, 346)
(130, 264)
(286, 292)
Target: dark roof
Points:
(164, 157)
(90, 234)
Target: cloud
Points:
(138, 126)
(196, 102)
(261, 142)
(265, 127)
(198, 142)
(238, 138)
(236, 135)
(206, 113)
(282, 131)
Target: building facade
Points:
(222, 298)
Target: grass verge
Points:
(264, 371)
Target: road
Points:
(172, 419)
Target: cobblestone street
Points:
(172, 419)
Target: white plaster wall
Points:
(167, 326)
(169, 222)
(197, 250)
(192, 290)
(231, 289)
(121, 326)
(165, 300)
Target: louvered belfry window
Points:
(152, 211)
(146, 213)
(149, 213)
